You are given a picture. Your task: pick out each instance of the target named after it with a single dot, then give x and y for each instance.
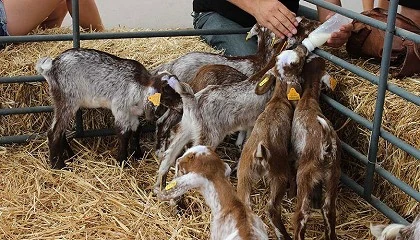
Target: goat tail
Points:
(184, 89)
(44, 65)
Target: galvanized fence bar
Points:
(384, 173)
(25, 110)
(76, 44)
(21, 79)
(365, 74)
(121, 35)
(380, 99)
(375, 202)
(369, 125)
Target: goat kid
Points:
(317, 147)
(94, 79)
(216, 111)
(185, 67)
(265, 153)
(201, 168)
(166, 125)
(397, 231)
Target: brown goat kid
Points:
(265, 153)
(201, 168)
(317, 148)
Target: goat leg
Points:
(278, 186)
(316, 196)
(329, 207)
(302, 211)
(56, 149)
(123, 138)
(135, 149)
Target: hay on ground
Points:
(97, 200)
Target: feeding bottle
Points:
(321, 34)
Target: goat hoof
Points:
(137, 154)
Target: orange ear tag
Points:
(264, 81)
(155, 99)
(333, 83)
(170, 185)
(293, 95)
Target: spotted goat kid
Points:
(202, 169)
(90, 78)
(317, 147)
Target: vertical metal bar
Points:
(76, 44)
(377, 118)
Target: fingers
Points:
(276, 17)
(339, 38)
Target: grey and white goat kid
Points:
(202, 169)
(397, 231)
(94, 79)
(317, 148)
(186, 66)
(213, 74)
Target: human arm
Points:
(339, 38)
(271, 14)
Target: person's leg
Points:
(55, 19)
(412, 14)
(233, 44)
(368, 4)
(89, 15)
(383, 4)
(411, 9)
(25, 15)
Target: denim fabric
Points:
(233, 44)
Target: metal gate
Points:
(369, 161)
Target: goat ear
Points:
(228, 170)
(265, 84)
(376, 230)
(329, 81)
(178, 186)
(261, 151)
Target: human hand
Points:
(275, 16)
(340, 37)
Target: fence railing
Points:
(364, 191)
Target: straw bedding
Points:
(98, 200)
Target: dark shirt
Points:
(234, 13)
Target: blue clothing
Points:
(3, 23)
(233, 44)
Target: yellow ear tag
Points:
(264, 81)
(293, 95)
(170, 185)
(155, 99)
(273, 41)
(333, 83)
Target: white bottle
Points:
(320, 35)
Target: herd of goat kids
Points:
(198, 99)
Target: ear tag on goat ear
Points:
(293, 95)
(263, 81)
(248, 36)
(155, 99)
(333, 83)
(170, 185)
